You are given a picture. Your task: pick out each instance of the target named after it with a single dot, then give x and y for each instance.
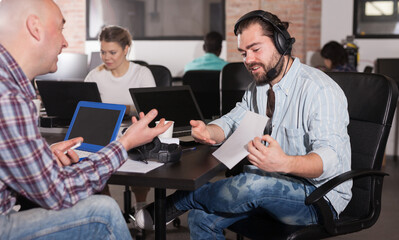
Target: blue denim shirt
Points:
(310, 116)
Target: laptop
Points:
(97, 123)
(60, 98)
(175, 103)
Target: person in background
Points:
(117, 74)
(210, 61)
(304, 144)
(336, 58)
(114, 78)
(31, 39)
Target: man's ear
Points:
(33, 26)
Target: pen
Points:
(189, 149)
(73, 147)
(144, 160)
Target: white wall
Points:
(336, 24)
(172, 54)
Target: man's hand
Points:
(70, 157)
(139, 133)
(200, 132)
(271, 158)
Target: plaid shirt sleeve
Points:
(27, 165)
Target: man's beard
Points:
(261, 78)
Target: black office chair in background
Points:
(141, 62)
(235, 79)
(390, 67)
(205, 86)
(372, 100)
(368, 69)
(162, 75)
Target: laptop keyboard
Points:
(182, 133)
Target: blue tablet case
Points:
(97, 123)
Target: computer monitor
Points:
(175, 103)
(60, 98)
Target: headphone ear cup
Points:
(280, 42)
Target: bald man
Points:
(30, 40)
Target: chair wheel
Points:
(176, 223)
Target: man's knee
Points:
(104, 204)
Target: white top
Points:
(116, 89)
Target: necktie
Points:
(270, 103)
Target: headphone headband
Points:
(282, 38)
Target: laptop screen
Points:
(175, 103)
(60, 98)
(97, 123)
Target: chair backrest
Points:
(141, 62)
(372, 100)
(368, 69)
(162, 75)
(205, 86)
(235, 79)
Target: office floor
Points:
(386, 228)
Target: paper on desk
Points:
(138, 166)
(234, 149)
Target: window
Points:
(157, 19)
(376, 19)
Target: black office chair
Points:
(162, 75)
(368, 69)
(235, 79)
(141, 62)
(205, 86)
(390, 67)
(372, 102)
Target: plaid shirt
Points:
(27, 165)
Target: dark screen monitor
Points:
(60, 98)
(175, 103)
(388, 67)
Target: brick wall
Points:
(304, 17)
(75, 27)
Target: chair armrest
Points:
(316, 197)
(328, 186)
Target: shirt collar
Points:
(287, 81)
(18, 76)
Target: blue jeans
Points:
(218, 205)
(97, 217)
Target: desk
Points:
(194, 169)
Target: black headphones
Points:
(281, 37)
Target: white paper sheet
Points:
(138, 166)
(235, 147)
